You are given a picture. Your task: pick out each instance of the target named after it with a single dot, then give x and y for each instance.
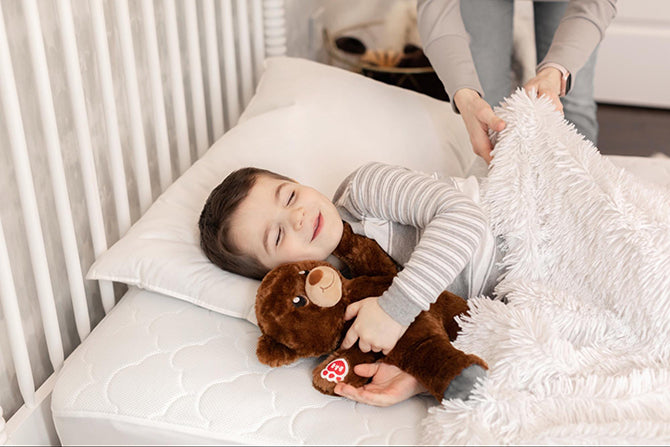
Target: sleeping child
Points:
(434, 228)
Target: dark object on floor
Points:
(410, 69)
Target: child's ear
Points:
(273, 353)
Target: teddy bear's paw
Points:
(462, 385)
(324, 386)
(333, 370)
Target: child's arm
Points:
(453, 227)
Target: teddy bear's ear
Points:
(273, 353)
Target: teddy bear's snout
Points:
(315, 276)
(323, 286)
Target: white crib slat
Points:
(195, 69)
(258, 41)
(109, 107)
(10, 104)
(177, 86)
(275, 27)
(81, 124)
(3, 426)
(57, 170)
(17, 338)
(230, 63)
(246, 68)
(160, 123)
(215, 99)
(141, 163)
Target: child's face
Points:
(281, 221)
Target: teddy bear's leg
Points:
(461, 386)
(429, 356)
(339, 367)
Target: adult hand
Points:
(389, 385)
(547, 82)
(374, 329)
(478, 117)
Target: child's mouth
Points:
(317, 226)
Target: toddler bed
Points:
(175, 362)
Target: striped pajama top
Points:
(434, 228)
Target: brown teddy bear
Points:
(300, 310)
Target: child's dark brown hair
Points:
(216, 217)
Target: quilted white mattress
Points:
(158, 370)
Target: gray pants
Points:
(490, 25)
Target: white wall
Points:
(304, 34)
(634, 58)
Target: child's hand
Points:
(374, 329)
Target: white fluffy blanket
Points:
(580, 353)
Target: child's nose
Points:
(297, 218)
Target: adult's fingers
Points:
(557, 102)
(366, 369)
(541, 89)
(481, 144)
(478, 127)
(495, 123)
(490, 119)
(363, 396)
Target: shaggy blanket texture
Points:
(580, 352)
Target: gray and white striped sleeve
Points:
(453, 226)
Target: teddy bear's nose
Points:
(323, 286)
(314, 277)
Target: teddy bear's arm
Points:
(363, 255)
(273, 353)
(339, 367)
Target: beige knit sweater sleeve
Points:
(445, 40)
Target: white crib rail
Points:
(57, 172)
(31, 215)
(10, 307)
(82, 130)
(159, 105)
(140, 162)
(213, 74)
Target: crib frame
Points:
(251, 29)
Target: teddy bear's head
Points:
(300, 310)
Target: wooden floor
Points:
(633, 130)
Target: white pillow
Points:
(309, 121)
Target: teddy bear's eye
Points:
(299, 301)
(303, 272)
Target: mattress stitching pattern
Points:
(157, 361)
